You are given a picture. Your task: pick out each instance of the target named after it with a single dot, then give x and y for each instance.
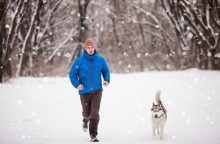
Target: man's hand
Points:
(80, 87)
(105, 83)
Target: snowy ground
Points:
(48, 110)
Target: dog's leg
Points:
(161, 132)
(158, 131)
(154, 131)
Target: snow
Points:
(48, 111)
(7, 26)
(138, 55)
(190, 35)
(217, 55)
(107, 10)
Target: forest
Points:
(44, 37)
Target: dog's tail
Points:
(158, 100)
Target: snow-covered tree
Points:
(35, 33)
(42, 37)
(2, 34)
(197, 26)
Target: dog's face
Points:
(156, 110)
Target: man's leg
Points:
(85, 102)
(94, 113)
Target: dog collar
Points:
(159, 116)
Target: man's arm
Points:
(73, 75)
(105, 73)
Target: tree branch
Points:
(61, 45)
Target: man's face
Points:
(90, 50)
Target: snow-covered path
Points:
(48, 110)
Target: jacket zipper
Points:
(91, 75)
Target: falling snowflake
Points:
(188, 121)
(199, 42)
(130, 131)
(33, 113)
(147, 13)
(107, 10)
(59, 54)
(120, 63)
(200, 33)
(190, 87)
(23, 136)
(217, 55)
(190, 35)
(146, 54)
(38, 121)
(157, 26)
(173, 137)
(138, 55)
(183, 114)
(19, 102)
(209, 54)
(208, 118)
(194, 1)
(68, 55)
(196, 79)
(7, 26)
(129, 66)
(208, 98)
(72, 12)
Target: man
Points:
(85, 75)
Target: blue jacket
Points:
(87, 70)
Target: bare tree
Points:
(44, 39)
(2, 35)
(28, 38)
(36, 33)
(197, 24)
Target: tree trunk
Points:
(28, 38)
(8, 51)
(216, 60)
(82, 5)
(2, 36)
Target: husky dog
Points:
(159, 116)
